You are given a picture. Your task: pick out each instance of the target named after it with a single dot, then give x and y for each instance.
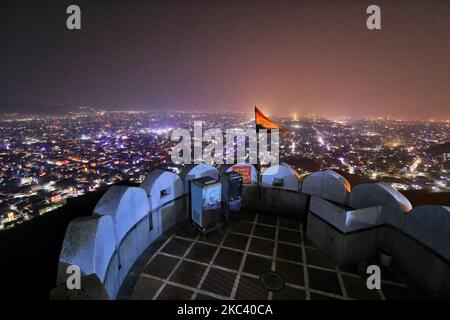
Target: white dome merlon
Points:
(126, 206)
(89, 243)
(192, 172)
(162, 187)
(327, 184)
(430, 225)
(280, 176)
(373, 194)
(253, 171)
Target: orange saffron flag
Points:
(263, 122)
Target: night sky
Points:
(286, 56)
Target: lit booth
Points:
(191, 172)
(206, 209)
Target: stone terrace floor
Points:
(228, 264)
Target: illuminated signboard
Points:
(245, 171)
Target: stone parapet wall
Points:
(348, 225)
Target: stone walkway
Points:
(228, 264)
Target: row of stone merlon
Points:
(372, 204)
(125, 205)
(108, 242)
(118, 231)
(93, 243)
(354, 225)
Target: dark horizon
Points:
(309, 57)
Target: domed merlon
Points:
(280, 176)
(126, 205)
(380, 193)
(129, 209)
(165, 192)
(327, 184)
(192, 172)
(89, 243)
(162, 187)
(431, 226)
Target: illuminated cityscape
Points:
(47, 159)
(224, 150)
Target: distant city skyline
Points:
(46, 160)
(19, 111)
(308, 57)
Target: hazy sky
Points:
(303, 56)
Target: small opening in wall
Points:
(277, 182)
(164, 193)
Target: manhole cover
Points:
(272, 281)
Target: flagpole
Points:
(262, 121)
(258, 166)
